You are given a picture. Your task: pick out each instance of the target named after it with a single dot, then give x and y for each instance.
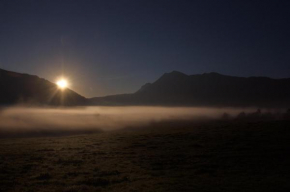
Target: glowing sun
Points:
(62, 83)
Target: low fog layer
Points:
(20, 121)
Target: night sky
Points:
(115, 46)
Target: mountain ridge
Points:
(25, 89)
(171, 89)
(207, 89)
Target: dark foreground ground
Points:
(173, 156)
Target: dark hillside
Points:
(17, 88)
(209, 89)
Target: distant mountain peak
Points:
(178, 73)
(207, 89)
(175, 73)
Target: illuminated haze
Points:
(45, 121)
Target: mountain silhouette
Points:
(171, 89)
(208, 89)
(17, 88)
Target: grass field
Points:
(165, 156)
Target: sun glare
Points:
(62, 83)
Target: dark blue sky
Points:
(116, 46)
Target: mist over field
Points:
(20, 121)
